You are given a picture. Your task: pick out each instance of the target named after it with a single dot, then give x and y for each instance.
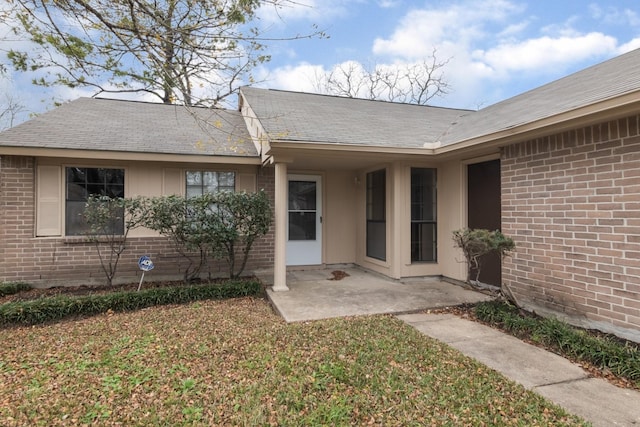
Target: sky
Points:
(493, 49)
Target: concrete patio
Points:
(312, 295)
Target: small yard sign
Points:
(145, 264)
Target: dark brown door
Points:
(483, 211)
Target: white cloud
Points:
(302, 77)
(544, 52)
(629, 46)
(456, 26)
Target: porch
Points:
(320, 293)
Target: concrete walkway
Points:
(313, 296)
(548, 374)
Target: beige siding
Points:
(246, 182)
(339, 217)
(451, 216)
(173, 182)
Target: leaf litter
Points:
(235, 362)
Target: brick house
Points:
(376, 184)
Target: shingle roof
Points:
(291, 116)
(305, 117)
(609, 79)
(115, 125)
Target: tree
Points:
(414, 83)
(475, 244)
(192, 52)
(105, 217)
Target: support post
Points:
(280, 253)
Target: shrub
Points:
(238, 220)
(605, 352)
(224, 225)
(476, 243)
(104, 216)
(10, 288)
(174, 217)
(60, 307)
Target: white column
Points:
(280, 253)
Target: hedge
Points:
(48, 309)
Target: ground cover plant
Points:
(235, 362)
(12, 288)
(617, 359)
(65, 305)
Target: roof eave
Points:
(277, 145)
(127, 155)
(608, 109)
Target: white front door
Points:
(304, 224)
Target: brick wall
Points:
(56, 261)
(572, 204)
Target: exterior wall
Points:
(572, 204)
(59, 260)
(339, 217)
(451, 216)
(398, 263)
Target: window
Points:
(202, 182)
(302, 210)
(84, 182)
(423, 215)
(376, 215)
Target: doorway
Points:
(304, 223)
(484, 211)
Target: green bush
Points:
(60, 307)
(224, 225)
(605, 352)
(10, 288)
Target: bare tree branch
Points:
(415, 83)
(10, 108)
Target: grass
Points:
(234, 362)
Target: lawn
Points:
(235, 362)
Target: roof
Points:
(607, 80)
(304, 117)
(313, 118)
(140, 127)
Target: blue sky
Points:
(495, 48)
